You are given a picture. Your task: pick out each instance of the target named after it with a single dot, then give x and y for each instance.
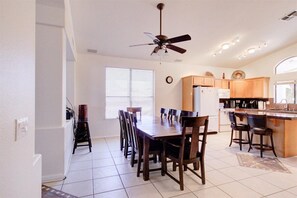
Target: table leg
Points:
(146, 147)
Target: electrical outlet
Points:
(21, 128)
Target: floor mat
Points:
(265, 163)
(48, 192)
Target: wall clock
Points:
(169, 79)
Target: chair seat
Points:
(240, 127)
(174, 151)
(261, 131)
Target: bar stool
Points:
(258, 126)
(82, 132)
(240, 128)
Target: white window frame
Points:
(130, 88)
(280, 82)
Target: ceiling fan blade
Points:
(142, 44)
(175, 48)
(156, 50)
(177, 39)
(153, 37)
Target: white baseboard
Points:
(53, 178)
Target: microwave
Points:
(224, 93)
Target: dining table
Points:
(155, 128)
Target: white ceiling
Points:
(110, 26)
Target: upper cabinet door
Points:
(250, 88)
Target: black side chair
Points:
(187, 152)
(258, 127)
(240, 128)
(187, 114)
(172, 115)
(125, 139)
(163, 113)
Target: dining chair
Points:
(163, 113)
(187, 114)
(125, 140)
(258, 126)
(187, 152)
(134, 110)
(137, 144)
(240, 128)
(172, 114)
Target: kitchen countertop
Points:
(281, 114)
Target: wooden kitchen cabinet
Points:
(221, 83)
(203, 81)
(250, 88)
(189, 82)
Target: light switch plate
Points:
(21, 128)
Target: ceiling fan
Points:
(162, 41)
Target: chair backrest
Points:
(127, 126)
(134, 110)
(163, 112)
(198, 140)
(187, 114)
(258, 121)
(172, 113)
(232, 119)
(122, 123)
(133, 130)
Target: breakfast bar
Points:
(284, 126)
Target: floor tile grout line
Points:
(117, 169)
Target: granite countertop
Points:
(278, 114)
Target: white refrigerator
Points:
(206, 103)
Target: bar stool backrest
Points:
(257, 121)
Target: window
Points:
(286, 66)
(285, 91)
(129, 87)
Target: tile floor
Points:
(106, 173)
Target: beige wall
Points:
(20, 168)
(90, 86)
(265, 66)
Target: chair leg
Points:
(240, 139)
(252, 135)
(249, 140)
(164, 163)
(202, 170)
(231, 138)
(132, 157)
(181, 176)
(121, 141)
(155, 158)
(74, 146)
(173, 166)
(272, 145)
(196, 165)
(126, 149)
(139, 164)
(261, 145)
